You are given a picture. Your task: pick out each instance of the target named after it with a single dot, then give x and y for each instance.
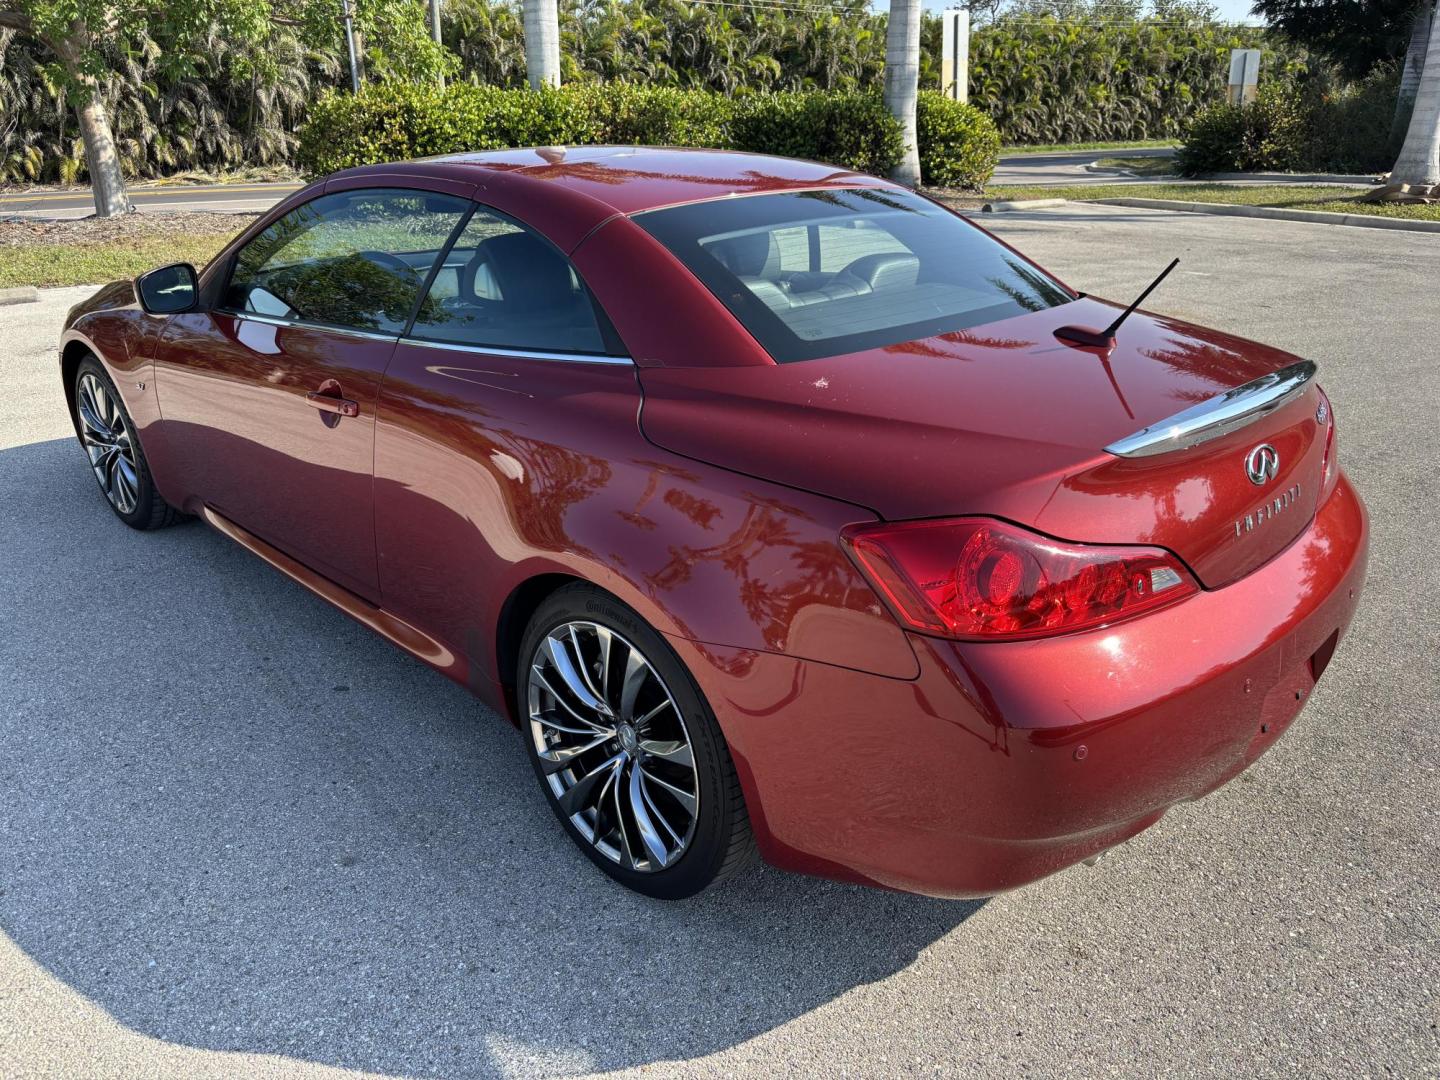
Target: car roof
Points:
(632, 179)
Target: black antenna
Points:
(1105, 339)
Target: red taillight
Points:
(987, 580)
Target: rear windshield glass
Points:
(819, 273)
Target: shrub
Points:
(959, 144)
(1266, 134)
(853, 130)
(1314, 126)
(654, 115)
(392, 122)
(1351, 126)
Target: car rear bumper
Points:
(1002, 763)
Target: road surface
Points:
(225, 198)
(240, 835)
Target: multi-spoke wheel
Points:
(626, 749)
(107, 440)
(108, 436)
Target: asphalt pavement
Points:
(242, 835)
(1065, 167)
(79, 202)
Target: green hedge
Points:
(1047, 79)
(1313, 126)
(959, 146)
(853, 129)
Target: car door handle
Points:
(331, 404)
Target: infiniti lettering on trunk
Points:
(1266, 511)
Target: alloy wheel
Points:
(109, 444)
(613, 746)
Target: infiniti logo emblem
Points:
(1262, 464)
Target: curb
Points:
(1314, 217)
(1020, 204)
(26, 294)
(1294, 178)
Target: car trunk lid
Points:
(1007, 420)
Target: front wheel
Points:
(626, 749)
(108, 436)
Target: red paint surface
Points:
(707, 487)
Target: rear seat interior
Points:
(755, 259)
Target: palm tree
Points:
(1414, 65)
(1419, 161)
(542, 43)
(902, 82)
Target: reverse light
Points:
(986, 580)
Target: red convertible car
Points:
(781, 508)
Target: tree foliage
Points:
(959, 146)
(217, 84)
(1355, 34)
(1046, 78)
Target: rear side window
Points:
(354, 259)
(819, 273)
(503, 285)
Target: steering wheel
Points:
(391, 262)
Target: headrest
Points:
(754, 254)
(891, 270)
(531, 274)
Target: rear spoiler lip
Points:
(1218, 415)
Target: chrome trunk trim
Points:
(1218, 415)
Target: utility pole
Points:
(349, 18)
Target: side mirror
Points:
(168, 290)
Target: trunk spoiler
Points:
(1218, 415)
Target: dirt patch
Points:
(967, 202)
(98, 232)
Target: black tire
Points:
(149, 510)
(721, 842)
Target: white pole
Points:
(955, 55)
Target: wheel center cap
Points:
(629, 741)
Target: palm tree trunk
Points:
(542, 43)
(902, 82)
(1414, 66)
(1419, 161)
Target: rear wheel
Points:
(108, 436)
(626, 749)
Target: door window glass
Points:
(355, 259)
(505, 286)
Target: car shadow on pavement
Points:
(237, 820)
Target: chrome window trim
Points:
(1218, 415)
(273, 320)
(519, 354)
